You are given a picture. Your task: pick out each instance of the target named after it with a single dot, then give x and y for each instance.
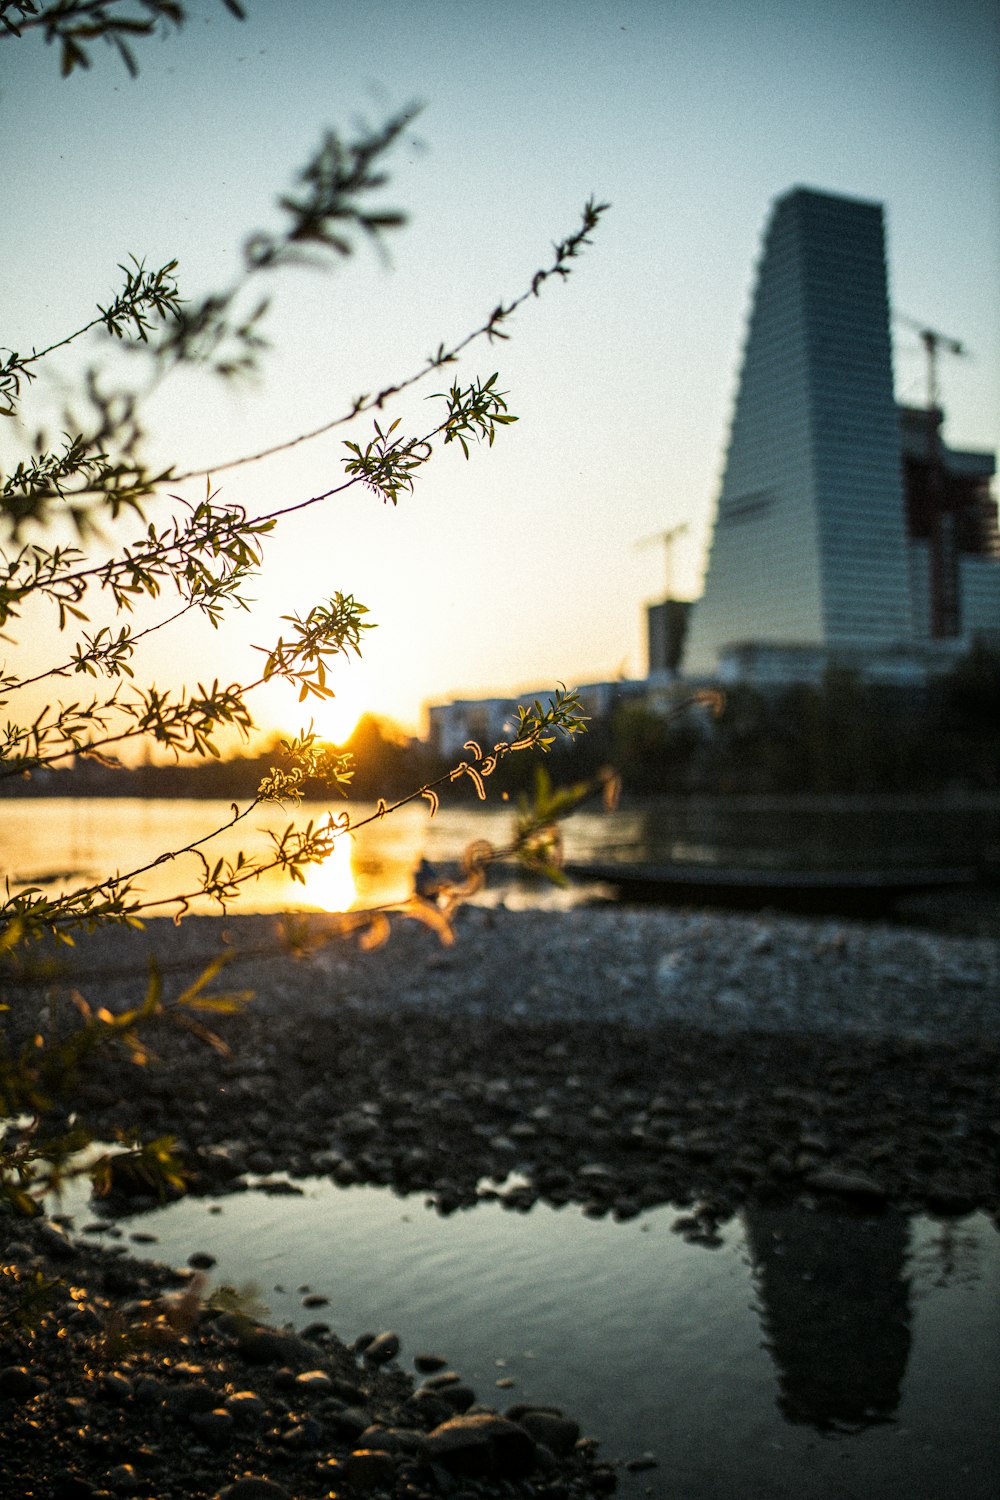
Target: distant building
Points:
(485, 720)
(666, 629)
(953, 534)
(846, 531)
(489, 720)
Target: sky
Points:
(530, 564)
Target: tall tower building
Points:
(810, 545)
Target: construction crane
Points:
(943, 553)
(666, 540)
(933, 343)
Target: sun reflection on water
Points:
(331, 886)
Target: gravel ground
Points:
(611, 1057)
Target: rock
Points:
(332, 1473)
(18, 1383)
(115, 1385)
(349, 1423)
(192, 1396)
(427, 1408)
(948, 1200)
(314, 1383)
(383, 1348)
(124, 1480)
(214, 1427)
(54, 1241)
(370, 1469)
(71, 1487)
(558, 1433)
(482, 1446)
(260, 1163)
(314, 1331)
(246, 1406)
(200, 1260)
(394, 1440)
(428, 1363)
(733, 1000)
(305, 1434)
(250, 1488)
(264, 1346)
(149, 1390)
(847, 1184)
(458, 1395)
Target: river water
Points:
(64, 842)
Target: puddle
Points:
(810, 1354)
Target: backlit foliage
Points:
(92, 487)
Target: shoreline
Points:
(689, 1056)
(614, 1059)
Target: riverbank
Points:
(612, 1058)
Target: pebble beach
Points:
(609, 1057)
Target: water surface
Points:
(810, 1355)
(66, 842)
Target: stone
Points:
(200, 1260)
(558, 1433)
(116, 1385)
(214, 1427)
(314, 1383)
(847, 1184)
(315, 1331)
(305, 1434)
(427, 1408)
(191, 1396)
(394, 1440)
(482, 1446)
(18, 1383)
(458, 1395)
(124, 1480)
(54, 1241)
(251, 1488)
(370, 1469)
(264, 1346)
(349, 1423)
(246, 1406)
(383, 1348)
(428, 1363)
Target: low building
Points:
(487, 721)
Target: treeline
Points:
(385, 764)
(842, 736)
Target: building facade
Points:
(838, 527)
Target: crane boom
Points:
(933, 341)
(665, 539)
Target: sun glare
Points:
(335, 719)
(331, 886)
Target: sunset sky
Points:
(520, 568)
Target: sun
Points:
(334, 719)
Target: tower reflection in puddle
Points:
(835, 1307)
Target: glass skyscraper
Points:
(810, 546)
